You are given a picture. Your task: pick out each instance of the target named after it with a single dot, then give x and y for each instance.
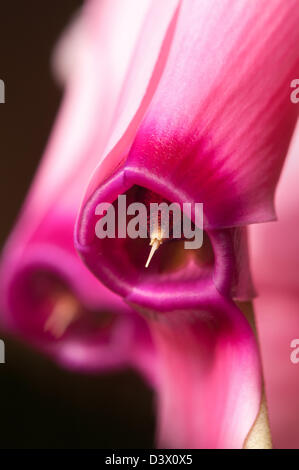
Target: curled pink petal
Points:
(119, 263)
(210, 389)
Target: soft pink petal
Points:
(210, 389)
(219, 124)
(141, 81)
(275, 261)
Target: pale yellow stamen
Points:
(66, 309)
(156, 241)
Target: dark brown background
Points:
(41, 405)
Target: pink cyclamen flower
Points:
(275, 260)
(48, 297)
(204, 116)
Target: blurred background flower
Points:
(109, 410)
